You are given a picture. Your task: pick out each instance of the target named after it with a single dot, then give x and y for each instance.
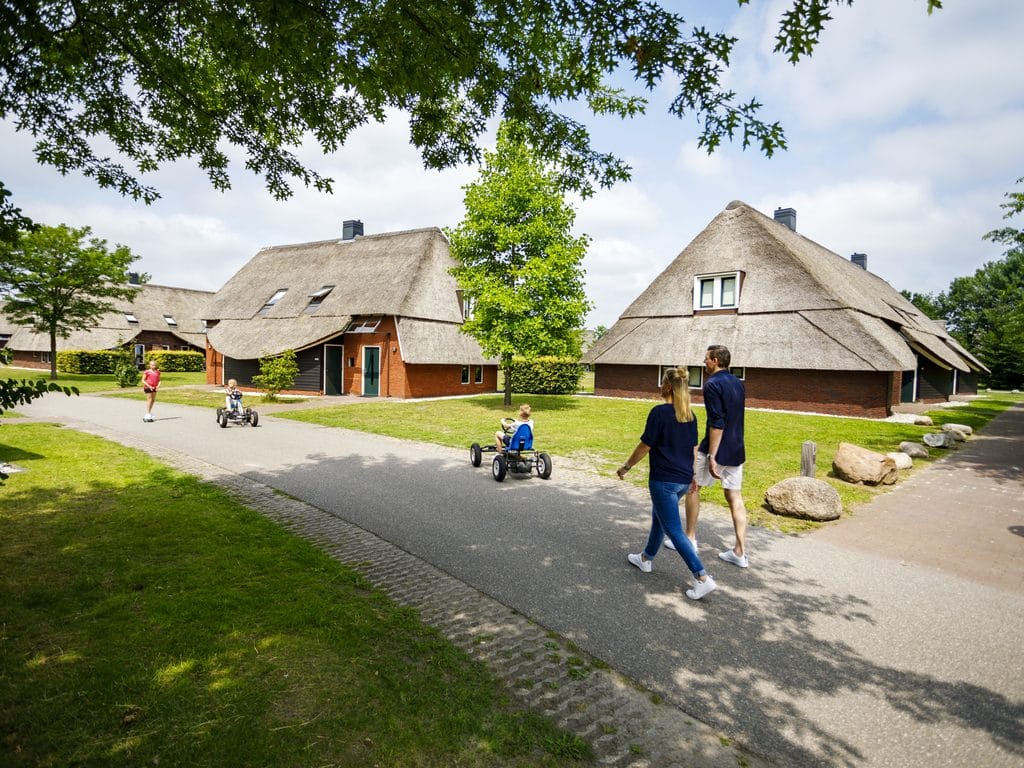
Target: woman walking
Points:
(670, 438)
(150, 383)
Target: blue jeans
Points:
(665, 498)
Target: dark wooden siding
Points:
(933, 383)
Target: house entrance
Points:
(909, 384)
(334, 358)
(371, 371)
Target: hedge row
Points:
(545, 375)
(105, 361)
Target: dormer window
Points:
(366, 325)
(467, 305)
(169, 319)
(130, 317)
(720, 291)
(272, 301)
(317, 298)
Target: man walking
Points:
(721, 453)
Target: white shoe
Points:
(670, 545)
(639, 561)
(701, 588)
(147, 417)
(731, 557)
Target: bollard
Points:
(808, 458)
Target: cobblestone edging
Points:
(626, 726)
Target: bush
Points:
(189, 361)
(276, 373)
(126, 373)
(85, 361)
(545, 375)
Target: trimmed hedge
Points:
(86, 361)
(545, 375)
(106, 360)
(169, 360)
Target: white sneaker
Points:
(701, 588)
(731, 557)
(670, 545)
(639, 562)
(147, 417)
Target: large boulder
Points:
(804, 497)
(959, 428)
(903, 461)
(914, 450)
(923, 421)
(859, 465)
(939, 440)
(957, 431)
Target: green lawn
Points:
(149, 619)
(600, 433)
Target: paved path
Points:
(821, 654)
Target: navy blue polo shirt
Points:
(724, 400)
(671, 443)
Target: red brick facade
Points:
(843, 393)
(149, 339)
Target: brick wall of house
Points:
(440, 380)
(844, 393)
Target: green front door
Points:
(371, 371)
(334, 357)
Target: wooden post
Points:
(808, 458)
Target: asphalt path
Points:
(819, 654)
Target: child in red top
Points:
(150, 383)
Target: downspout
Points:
(387, 352)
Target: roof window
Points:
(130, 317)
(365, 325)
(272, 301)
(170, 320)
(317, 298)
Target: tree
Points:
(57, 280)
(928, 303)
(517, 263)
(277, 372)
(985, 312)
(164, 81)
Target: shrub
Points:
(545, 375)
(276, 373)
(86, 361)
(168, 360)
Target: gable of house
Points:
(801, 307)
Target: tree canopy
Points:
(57, 279)
(162, 81)
(518, 265)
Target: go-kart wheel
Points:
(219, 412)
(223, 420)
(543, 466)
(476, 455)
(254, 418)
(499, 468)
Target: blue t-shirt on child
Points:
(671, 443)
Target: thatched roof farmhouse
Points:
(159, 317)
(808, 329)
(367, 315)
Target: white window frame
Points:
(130, 317)
(716, 291)
(366, 325)
(278, 295)
(739, 372)
(478, 374)
(465, 374)
(700, 376)
(169, 319)
(317, 298)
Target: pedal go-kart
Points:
(239, 415)
(518, 456)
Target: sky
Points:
(905, 132)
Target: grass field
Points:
(148, 619)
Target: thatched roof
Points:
(149, 307)
(399, 274)
(801, 307)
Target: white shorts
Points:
(732, 477)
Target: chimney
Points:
(786, 216)
(860, 259)
(133, 278)
(351, 229)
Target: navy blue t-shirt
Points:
(724, 399)
(671, 443)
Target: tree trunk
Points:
(506, 361)
(53, 356)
